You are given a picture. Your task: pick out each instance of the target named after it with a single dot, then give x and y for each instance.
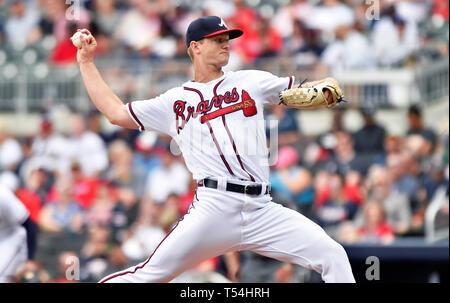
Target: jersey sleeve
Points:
(270, 86)
(11, 208)
(152, 114)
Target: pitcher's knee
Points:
(333, 263)
(333, 251)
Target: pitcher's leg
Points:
(13, 254)
(286, 235)
(201, 235)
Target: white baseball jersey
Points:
(219, 125)
(13, 245)
(12, 212)
(220, 129)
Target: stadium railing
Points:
(36, 86)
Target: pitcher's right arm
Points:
(101, 95)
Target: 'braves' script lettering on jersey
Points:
(247, 105)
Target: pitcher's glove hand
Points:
(312, 97)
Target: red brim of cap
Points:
(234, 33)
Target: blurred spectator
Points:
(352, 187)
(95, 123)
(225, 9)
(122, 171)
(245, 18)
(64, 214)
(440, 8)
(125, 212)
(394, 40)
(311, 49)
(88, 148)
(344, 158)
(64, 53)
(10, 150)
(417, 127)
(94, 256)
(29, 196)
(402, 168)
(291, 183)
(148, 151)
(413, 10)
(182, 15)
(375, 228)
(142, 20)
(100, 212)
(297, 39)
(350, 50)
(158, 187)
(321, 187)
(164, 45)
(288, 17)
(20, 23)
(50, 149)
(33, 272)
(288, 128)
(337, 208)
(392, 145)
(271, 40)
(371, 137)
(60, 18)
(84, 188)
(67, 265)
(105, 15)
(180, 49)
(396, 205)
(328, 16)
(146, 233)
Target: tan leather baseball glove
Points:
(312, 97)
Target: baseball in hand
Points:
(76, 39)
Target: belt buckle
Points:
(245, 189)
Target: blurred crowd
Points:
(334, 34)
(105, 197)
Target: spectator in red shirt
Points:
(352, 187)
(375, 228)
(33, 192)
(245, 18)
(440, 8)
(271, 39)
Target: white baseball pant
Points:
(13, 254)
(221, 221)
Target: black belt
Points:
(252, 190)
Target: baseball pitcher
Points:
(215, 119)
(15, 232)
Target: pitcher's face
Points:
(215, 50)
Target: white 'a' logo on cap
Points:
(222, 23)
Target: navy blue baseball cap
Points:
(209, 26)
